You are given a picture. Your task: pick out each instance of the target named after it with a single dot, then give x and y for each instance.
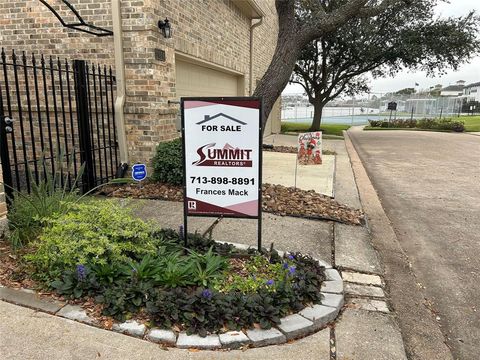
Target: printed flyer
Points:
(310, 148)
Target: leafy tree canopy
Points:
(399, 37)
(302, 21)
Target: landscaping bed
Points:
(414, 124)
(119, 267)
(277, 199)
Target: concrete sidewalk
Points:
(365, 329)
(26, 334)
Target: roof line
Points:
(218, 115)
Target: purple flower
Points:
(285, 265)
(207, 294)
(270, 282)
(180, 232)
(291, 257)
(291, 270)
(81, 273)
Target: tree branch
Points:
(322, 23)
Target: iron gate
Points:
(50, 107)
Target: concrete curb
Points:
(308, 321)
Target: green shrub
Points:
(403, 123)
(168, 162)
(458, 126)
(90, 234)
(449, 124)
(47, 199)
(385, 124)
(375, 123)
(426, 124)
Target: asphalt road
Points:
(429, 186)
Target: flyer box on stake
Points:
(222, 156)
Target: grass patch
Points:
(327, 129)
(472, 123)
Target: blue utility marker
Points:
(139, 172)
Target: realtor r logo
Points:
(192, 205)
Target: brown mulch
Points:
(145, 190)
(12, 273)
(281, 149)
(277, 199)
(288, 201)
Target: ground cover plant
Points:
(423, 124)
(97, 251)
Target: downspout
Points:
(120, 78)
(253, 26)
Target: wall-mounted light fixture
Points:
(166, 29)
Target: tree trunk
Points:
(287, 51)
(277, 75)
(317, 116)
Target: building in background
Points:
(453, 90)
(209, 53)
(472, 92)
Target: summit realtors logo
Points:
(228, 156)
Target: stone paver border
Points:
(294, 326)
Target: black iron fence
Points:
(50, 107)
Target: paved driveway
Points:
(429, 186)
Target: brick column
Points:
(150, 80)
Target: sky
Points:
(469, 72)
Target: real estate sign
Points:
(222, 156)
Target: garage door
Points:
(196, 80)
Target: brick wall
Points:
(214, 31)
